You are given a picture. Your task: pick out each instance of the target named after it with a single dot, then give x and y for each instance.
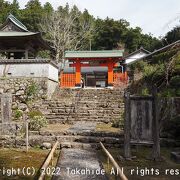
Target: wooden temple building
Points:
(17, 42)
(19, 56)
(94, 68)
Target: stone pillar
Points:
(78, 73)
(6, 108)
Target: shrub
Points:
(175, 81)
(168, 92)
(18, 113)
(37, 122)
(172, 128)
(145, 92)
(34, 113)
(31, 91)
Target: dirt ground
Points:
(99, 127)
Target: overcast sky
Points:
(153, 16)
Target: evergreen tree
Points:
(32, 15)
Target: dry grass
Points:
(56, 127)
(102, 127)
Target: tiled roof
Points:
(94, 54)
(15, 33)
(17, 22)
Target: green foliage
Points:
(31, 91)
(172, 36)
(168, 92)
(145, 91)
(34, 113)
(175, 81)
(172, 128)
(107, 34)
(18, 114)
(37, 122)
(44, 54)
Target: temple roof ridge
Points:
(14, 20)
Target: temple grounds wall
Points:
(23, 89)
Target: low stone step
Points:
(73, 120)
(84, 133)
(38, 140)
(77, 145)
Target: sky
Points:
(152, 16)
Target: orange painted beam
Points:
(89, 65)
(78, 72)
(110, 73)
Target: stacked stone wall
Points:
(18, 87)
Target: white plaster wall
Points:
(29, 70)
(53, 73)
(135, 57)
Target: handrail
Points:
(121, 174)
(49, 158)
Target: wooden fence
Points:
(67, 80)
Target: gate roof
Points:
(94, 54)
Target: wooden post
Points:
(46, 163)
(78, 73)
(155, 127)
(127, 128)
(27, 132)
(120, 172)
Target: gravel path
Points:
(78, 164)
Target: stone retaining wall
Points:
(24, 88)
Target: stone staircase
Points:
(70, 105)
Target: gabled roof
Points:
(138, 51)
(15, 33)
(16, 22)
(94, 54)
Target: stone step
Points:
(64, 110)
(95, 114)
(77, 145)
(38, 139)
(81, 116)
(80, 133)
(73, 120)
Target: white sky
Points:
(153, 16)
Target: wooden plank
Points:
(49, 158)
(127, 128)
(121, 174)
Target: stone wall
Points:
(24, 89)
